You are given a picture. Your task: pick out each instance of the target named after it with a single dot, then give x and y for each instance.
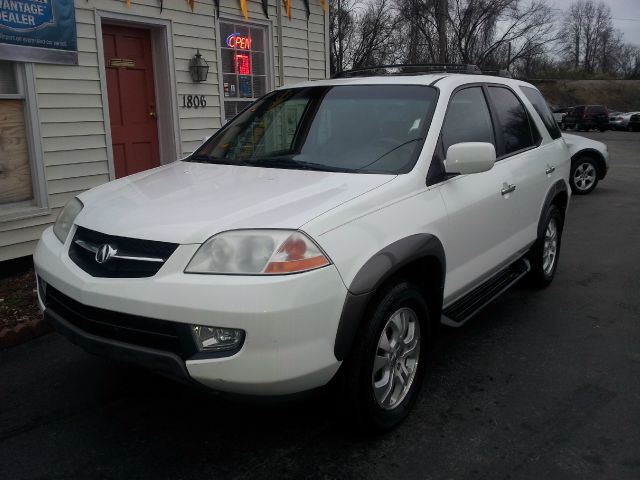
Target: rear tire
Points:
(583, 176)
(545, 252)
(384, 360)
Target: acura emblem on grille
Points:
(105, 252)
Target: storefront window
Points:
(16, 183)
(244, 65)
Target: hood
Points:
(189, 202)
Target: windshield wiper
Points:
(387, 153)
(201, 158)
(280, 162)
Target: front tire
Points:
(545, 252)
(584, 175)
(384, 371)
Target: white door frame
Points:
(164, 82)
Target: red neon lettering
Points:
(235, 41)
(242, 65)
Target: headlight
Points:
(257, 252)
(65, 219)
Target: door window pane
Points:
(468, 119)
(539, 103)
(8, 82)
(514, 121)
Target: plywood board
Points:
(15, 173)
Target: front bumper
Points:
(290, 321)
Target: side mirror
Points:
(470, 157)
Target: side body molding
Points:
(374, 273)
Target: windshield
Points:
(349, 128)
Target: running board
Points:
(463, 309)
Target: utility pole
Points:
(339, 59)
(443, 16)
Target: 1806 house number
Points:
(194, 101)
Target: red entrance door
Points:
(132, 96)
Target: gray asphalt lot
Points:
(542, 384)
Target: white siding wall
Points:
(70, 102)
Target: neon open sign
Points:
(235, 40)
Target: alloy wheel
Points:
(550, 248)
(584, 176)
(396, 358)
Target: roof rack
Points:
(416, 69)
(421, 68)
(496, 72)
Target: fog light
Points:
(216, 339)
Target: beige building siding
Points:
(70, 99)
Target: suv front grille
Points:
(128, 258)
(161, 335)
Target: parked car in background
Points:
(634, 123)
(589, 163)
(559, 113)
(620, 120)
(587, 117)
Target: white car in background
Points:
(589, 163)
(620, 121)
(559, 113)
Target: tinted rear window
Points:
(540, 105)
(514, 121)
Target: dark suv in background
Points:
(587, 117)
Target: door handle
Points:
(508, 189)
(550, 169)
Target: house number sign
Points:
(194, 101)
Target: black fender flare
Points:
(379, 268)
(558, 187)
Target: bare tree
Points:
(341, 32)
(483, 29)
(590, 42)
(374, 40)
(522, 35)
(362, 33)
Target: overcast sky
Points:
(625, 13)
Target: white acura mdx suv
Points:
(324, 233)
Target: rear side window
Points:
(468, 119)
(596, 110)
(538, 102)
(577, 111)
(514, 121)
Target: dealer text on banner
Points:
(38, 31)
